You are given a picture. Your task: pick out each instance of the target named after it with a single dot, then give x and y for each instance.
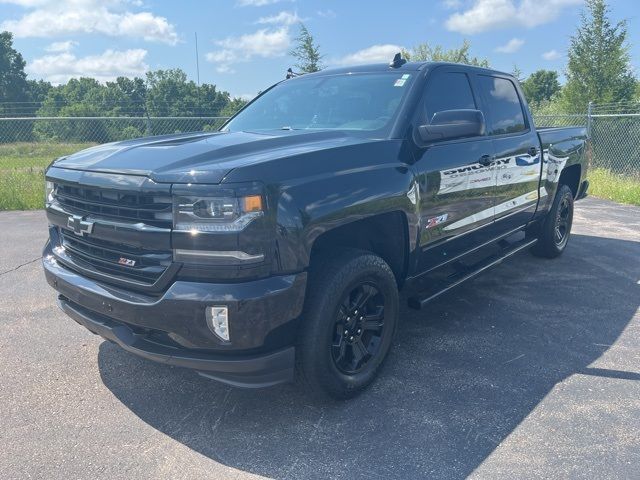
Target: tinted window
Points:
(448, 91)
(504, 109)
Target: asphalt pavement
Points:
(531, 370)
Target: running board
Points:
(419, 301)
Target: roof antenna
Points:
(397, 61)
(291, 74)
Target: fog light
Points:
(218, 321)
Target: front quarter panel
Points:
(320, 191)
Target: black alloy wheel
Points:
(555, 230)
(359, 329)
(564, 219)
(348, 324)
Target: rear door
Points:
(516, 148)
(455, 178)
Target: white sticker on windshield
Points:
(405, 76)
(399, 82)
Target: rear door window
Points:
(503, 108)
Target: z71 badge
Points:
(435, 221)
(127, 262)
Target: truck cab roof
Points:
(407, 67)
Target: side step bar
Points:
(420, 301)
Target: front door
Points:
(455, 178)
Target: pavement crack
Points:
(20, 266)
(514, 359)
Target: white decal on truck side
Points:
(522, 200)
(512, 169)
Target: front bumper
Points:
(172, 328)
(255, 371)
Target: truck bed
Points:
(558, 135)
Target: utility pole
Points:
(197, 60)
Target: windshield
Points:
(359, 102)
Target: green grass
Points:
(21, 189)
(22, 172)
(25, 155)
(619, 188)
(22, 178)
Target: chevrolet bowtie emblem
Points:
(79, 226)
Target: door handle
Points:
(485, 160)
(533, 151)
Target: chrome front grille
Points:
(116, 228)
(115, 259)
(150, 209)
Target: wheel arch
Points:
(385, 234)
(570, 176)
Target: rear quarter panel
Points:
(562, 148)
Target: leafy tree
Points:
(426, 53)
(164, 93)
(541, 86)
(232, 107)
(598, 69)
(38, 90)
(169, 93)
(307, 52)
(13, 79)
(517, 73)
(125, 96)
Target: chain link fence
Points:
(614, 130)
(615, 134)
(98, 129)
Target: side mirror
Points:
(452, 124)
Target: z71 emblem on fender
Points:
(435, 221)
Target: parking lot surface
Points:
(531, 370)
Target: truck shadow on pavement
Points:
(463, 375)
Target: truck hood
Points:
(200, 157)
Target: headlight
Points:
(216, 214)
(49, 189)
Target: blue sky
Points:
(243, 44)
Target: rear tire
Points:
(556, 228)
(348, 324)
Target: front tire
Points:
(348, 324)
(556, 229)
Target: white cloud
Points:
(50, 18)
(511, 46)
(103, 67)
(223, 60)
(328, 13)
(282, 18)
(551, 55)
(61, 46)
(264, 43)
(486, 15)
(25, 3)
(373, 54)
(452, 4)
(258, 3)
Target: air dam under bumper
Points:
(122, 317)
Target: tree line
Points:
(162, 93)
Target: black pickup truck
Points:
(276, 247)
